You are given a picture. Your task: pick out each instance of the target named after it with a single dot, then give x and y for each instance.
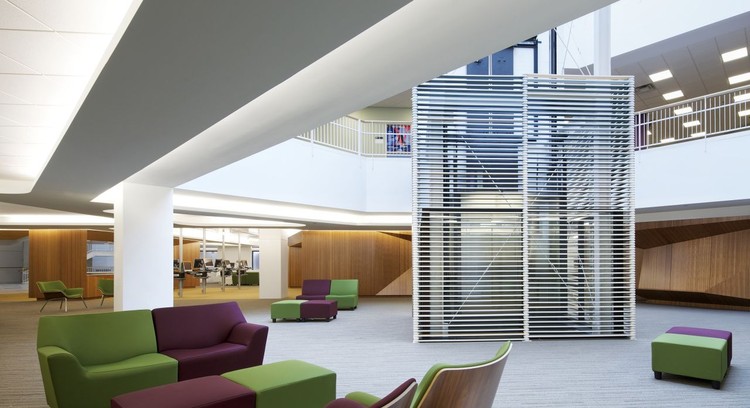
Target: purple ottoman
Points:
(318, 309)
(204, 392)
(719, 334)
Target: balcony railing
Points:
(372, 138)
(705, 116)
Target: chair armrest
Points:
(344, 403)
(249, 334)
(362, 398)
(56, 362)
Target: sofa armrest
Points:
(62, 366)
(248, 334)
(362, 398)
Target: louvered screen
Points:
(500, 192)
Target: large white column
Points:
(274, 268)
(143, 247)
(602, 42)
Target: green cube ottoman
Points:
(691, 356)
(288, 384)
(286, 309)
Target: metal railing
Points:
(371, 138)
(705, 116)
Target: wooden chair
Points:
(443, 386)
(56, 290)
(106, 287)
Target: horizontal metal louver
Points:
(523, 210)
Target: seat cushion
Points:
(204, 392)
(696, 331)
(214, 360)
(316, 287)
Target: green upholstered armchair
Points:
(106, 287)
(88, 359)
(345, 292)
(56, 290)
(247, 278)
(453, 385)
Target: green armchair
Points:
(247, 278)
(449, 385)
(106, 287)
(88, 359)
(345, 292)
(56, 290)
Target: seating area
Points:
(88, 359)
(246, 278)
(692, 352)
(344, 291)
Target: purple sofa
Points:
(315, 289)
(209, 339)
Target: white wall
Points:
(300, 172)
(701, 171)
(11, 260)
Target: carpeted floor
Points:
(371, 349)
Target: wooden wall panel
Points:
(656, 268)
(57, 255)
(375, 258)
(190, 251)
(12, 235)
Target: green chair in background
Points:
(56, 290)
(345, 292)
(106, 287)
(451, 385)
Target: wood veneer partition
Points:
(57, 255)
(375, 258)
(696, 262)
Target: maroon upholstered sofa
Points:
(209, 339)
(315, 289)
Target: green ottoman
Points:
(286, 309)
(288, 384)
(691, 356)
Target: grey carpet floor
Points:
(371, 349)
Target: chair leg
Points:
(45, 304)
(102, 302)
(84, 302)
(65, 300)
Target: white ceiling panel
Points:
(7, 122)
(6, 99)
(18, 149)
(46, 52)
(36, 115)
(27, 134)
(90, 16)
(10, 66)
(13, 18)
(43, 90)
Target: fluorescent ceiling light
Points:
(662, 75)
(739, 78)
(735, 54)
(742, 97)
(673, 95)
(683, 110)
(744, 112)
(698, 134)
(692, 123)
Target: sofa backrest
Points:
(344, 287)
(316, 286)
(99, 338)
(188, 327)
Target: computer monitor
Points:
(176, 263)
(187, 266)
(217, 262)
(198, 263)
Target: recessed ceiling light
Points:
(673, 95)
(734, 54)
(744, 112)
(698, 134)
(742, 97)
(739, 78)
(692, 123)
(683, 110)
(659, 76)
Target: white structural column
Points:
(143, 247)
(603, 42)
(274, 268)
